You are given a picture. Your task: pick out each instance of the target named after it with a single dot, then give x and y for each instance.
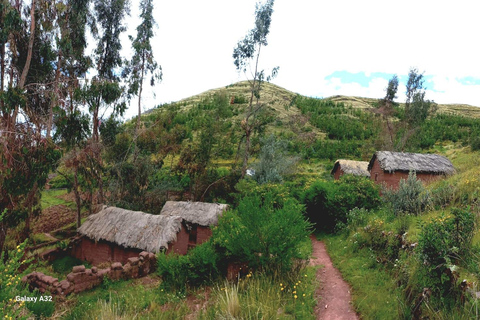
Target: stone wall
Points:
(81, 279)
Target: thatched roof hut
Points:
(132, 229)
(420, 163)
(358, 168)
(201, 213)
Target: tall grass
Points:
(265, 296)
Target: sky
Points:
(323, 47)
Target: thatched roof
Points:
(132, 229)
(358, 168)
(425, 163)
(202, 213)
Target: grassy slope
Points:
(279, 99)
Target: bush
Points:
(444, 242)
(328, 202)
(64, 265)
(10, 281)
(273, 161)
(262, 232)
(411, 196)
(197, 267)
(41, 308)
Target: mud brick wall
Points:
(81, 279)
(392, 180)
(101, 251)
(181, 245)
(203, 234)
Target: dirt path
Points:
(334, 293)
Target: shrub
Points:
(197, 267)
(10, 284)
(41, 308)
(262, 232)
(411, 196)
(64, 265)
(442, 242)
(328, 202)
(273, 161)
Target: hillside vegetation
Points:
(189, 150)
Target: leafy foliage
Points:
(197, 267)
(262, 232)
(10, 284)
(444, 241)
(273, 161)
(328, 202)
(411, 197)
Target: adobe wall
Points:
(392, 180)
(338, 173)
(181, 245)
(96, 252)
(203, 234)
(81, 279)
(184, 243)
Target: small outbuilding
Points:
(358, 168)
(116, 234)
(388, 168)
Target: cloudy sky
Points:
(322, 47)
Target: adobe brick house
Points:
(388, 168)
(116, 234)
(358, 168)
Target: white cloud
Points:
(311, 39)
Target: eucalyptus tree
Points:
(26, 156)
(104, 91)
(386, 109)
(417, 108)
(143, 62)
(246, 55)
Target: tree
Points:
(392, 89)
(246, 53)
(25, 156)
(104, 90)
(385, 107)
(273, 162)
(143, 62)
(417, 108)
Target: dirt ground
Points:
(334, 302)
(56, 217)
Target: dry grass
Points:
(452, 109)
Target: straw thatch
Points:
(358, 168)
(201, 213)
(132, 229)
(420, 163)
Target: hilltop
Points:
(281, 100)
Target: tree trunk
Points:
(55, 95)
(2, 72)
(95, 125)
(247, 128)
(78, 200)
(23, 77)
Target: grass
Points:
(123, 300)
(256, 296)
(265, 296)
(375, 295)
(50, 198)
